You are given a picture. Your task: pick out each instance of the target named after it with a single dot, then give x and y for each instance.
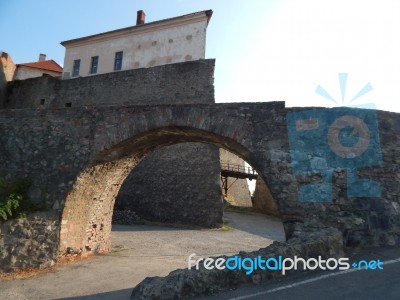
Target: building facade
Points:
(10, 71)
(38, 68)
(145, 45)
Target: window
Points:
(118, 61)
(75, 70)
(93, 65)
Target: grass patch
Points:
(226, 227)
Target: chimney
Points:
(141, 16)
(42, 57)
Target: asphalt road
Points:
(141, 251)
(329, 285)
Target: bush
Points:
(14, 199)
(7, 206)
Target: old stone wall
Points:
(57, 150)
(30, 242)
(263, 200)
(179, 185)
(3, 84)
(77, 158)
(186, 284)
(195, 177)
(181, 83)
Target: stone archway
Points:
(76, 158)
(177, 184)
(87, 215)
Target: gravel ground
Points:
(140, 251)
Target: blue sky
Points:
(266, 50)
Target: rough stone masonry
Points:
(78, 158)
(187, 173)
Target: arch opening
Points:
(87, 215)
(243, 188)
(177, 184)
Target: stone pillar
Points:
(7, 70)
(263, 199)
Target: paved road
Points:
(329, 285)
(141, 251)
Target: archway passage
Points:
(243, 188)
(86, 219)
(178, 184)
(77, 158)
(186, 183)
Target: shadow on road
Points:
(250, 222)
(119, 294)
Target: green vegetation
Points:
(225, 226)
(14, 199)
(8, 205)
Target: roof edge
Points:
(28, 65)
(207, 13)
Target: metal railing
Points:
(227, 166)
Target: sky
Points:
(265, 50)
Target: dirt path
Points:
(141, 251)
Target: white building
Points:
(38, 69)
(145, 45)
(23, 71)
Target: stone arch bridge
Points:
(77, 159)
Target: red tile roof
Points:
(49, 65)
